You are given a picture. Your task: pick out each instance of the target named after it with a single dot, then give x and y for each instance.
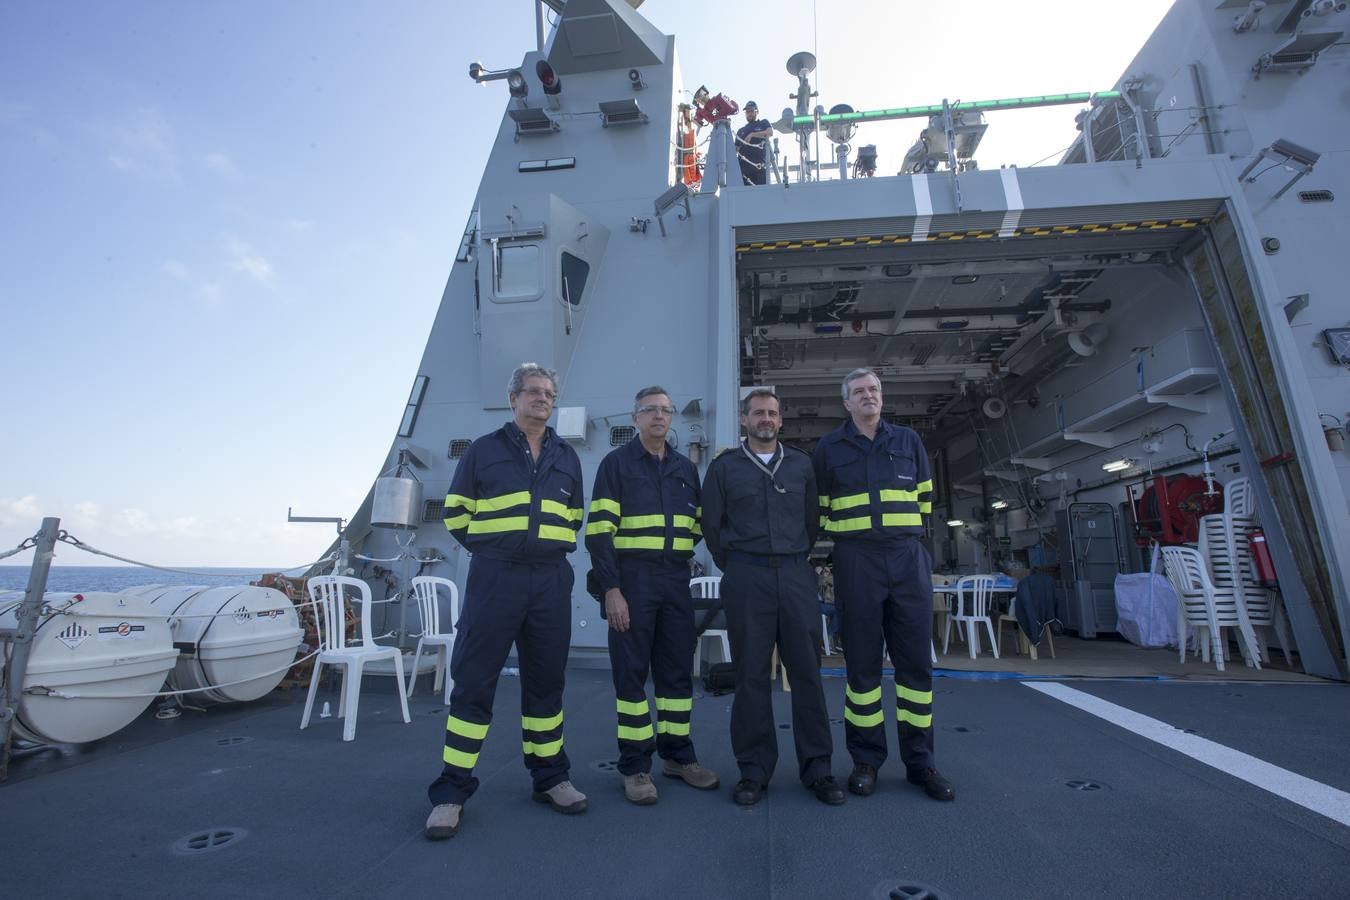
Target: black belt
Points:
(767, 560)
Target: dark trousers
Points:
(885, 595)
(660, 638)
(754, 174)
(767, 606)
(505, 603)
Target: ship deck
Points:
(313, 816)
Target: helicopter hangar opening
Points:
(1054, 362)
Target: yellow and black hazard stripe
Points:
(976, 235)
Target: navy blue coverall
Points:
(873, 497)
(641, 533)
(519, 517)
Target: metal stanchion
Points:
(22, 638)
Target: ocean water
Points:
(115, 578)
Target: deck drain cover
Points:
(233, 739)
(910, 890)
(605, 765)
(1084, 785)
(209, 840)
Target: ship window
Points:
(516, 272)
(458, 447)
(621, 434)
(433, 511)
(419, 389)
(575, 270)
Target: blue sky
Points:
(225, 226)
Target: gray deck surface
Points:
(324, 818)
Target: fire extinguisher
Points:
(1261, 561)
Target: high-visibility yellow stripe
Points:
(604, 504)
(924, 487)
(639, 543)
(457, 522)
(892, 495)
(534, 723)
(553, 507)
(861, 721)
(904, 693)
(627, 733)
(471, 730)
(682, 544)
(864, 698)
(635, 707)
(683, 521)
(926, 507)
(550, 748)
(901, 519)
(600, 527)
(557, 533)
(680, 728)
(459, 758)
(632, 523)
(492, 526)
(825, 501)
(505, 501)
(696, 530)
(918, 721)
(860, 524)
(460, 500)
(698, 512)
(848, 502)
(674, 704)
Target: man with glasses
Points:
(760, 518)
(875, 489)
(751, 139)
(515, 504)
(641, 533)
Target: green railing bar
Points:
(914, 112)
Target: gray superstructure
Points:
(1133, 302)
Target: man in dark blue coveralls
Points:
(750, 140)
(875, 488)
(515, 503)
(641, 533)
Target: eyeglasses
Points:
(548, 395)
(668, 410)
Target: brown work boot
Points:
(563, 797)
(691, 774)
(639, 789)
(443, 821)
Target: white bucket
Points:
(109, 644)
(236, 642)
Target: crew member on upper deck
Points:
(641, 534)
(515, 503)
(750, 141)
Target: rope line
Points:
(68, 538)
(26, 544)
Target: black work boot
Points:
(933, 784)
(862, 780)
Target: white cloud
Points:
(300, 225)
(18, 512)
(217, 161)
(176, 269)
(143, 143)
(86, 513)
(246, 259)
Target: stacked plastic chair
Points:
(1203, 605)
(1227, 551)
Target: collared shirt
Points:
(744, 511)
(877, 489)
(752, 147)
(504, 503)
(642, 507)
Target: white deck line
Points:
(1320, 798)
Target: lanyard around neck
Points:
(772, 473)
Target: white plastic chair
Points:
(1227, 551)
(327, 593)
(1206, 607)
(972, 608)
(432, 637)
(709, 587)
(1238, 499)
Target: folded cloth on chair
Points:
(1035, 605)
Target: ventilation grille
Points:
(433, 511)
(458, 447)
(621, 434)
(1316, 196)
